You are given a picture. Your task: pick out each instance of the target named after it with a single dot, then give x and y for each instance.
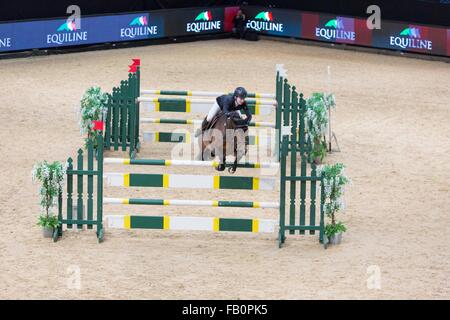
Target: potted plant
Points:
(49, 224)
(334, 180)
(316, 122)
(334, 231)
(92, 109)
(51, 176)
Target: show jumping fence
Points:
(298, 212)
(122, 130)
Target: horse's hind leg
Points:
(233, 168)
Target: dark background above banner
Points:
(435, 12)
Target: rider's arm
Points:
(247, 113)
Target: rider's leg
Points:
(213, 111)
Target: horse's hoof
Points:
(231, 170)
(220, 167)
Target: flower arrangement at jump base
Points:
(92, 112)
(51, 176)
(316, 122)
(334, 180)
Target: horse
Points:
(226, 134)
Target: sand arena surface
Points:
(392, 123)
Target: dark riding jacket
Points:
(227, 104)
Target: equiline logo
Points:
(203, 22)
(263, 21)
(139, 21)
(410, 38)
(67, 26)
(5, 42)
(204, 16)
(67, 33)
(264, 15)
(138, 27)
(334, 29)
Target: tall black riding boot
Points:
(204, 124)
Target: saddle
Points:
(213, 121)
(235, 117)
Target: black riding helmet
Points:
(240, 92)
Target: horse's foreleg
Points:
(222, 160)
(221, 166)
(233, 168)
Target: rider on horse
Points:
(225, 115)
(227, 104)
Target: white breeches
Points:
(214, 110)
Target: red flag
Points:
(98, 125)
(136, 63)
(133, 68)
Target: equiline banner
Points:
(332, 28)
(91, 30)
(43, 34)
(409, 37)
(286, 23)
(194, 21)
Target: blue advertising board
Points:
(99, 29)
